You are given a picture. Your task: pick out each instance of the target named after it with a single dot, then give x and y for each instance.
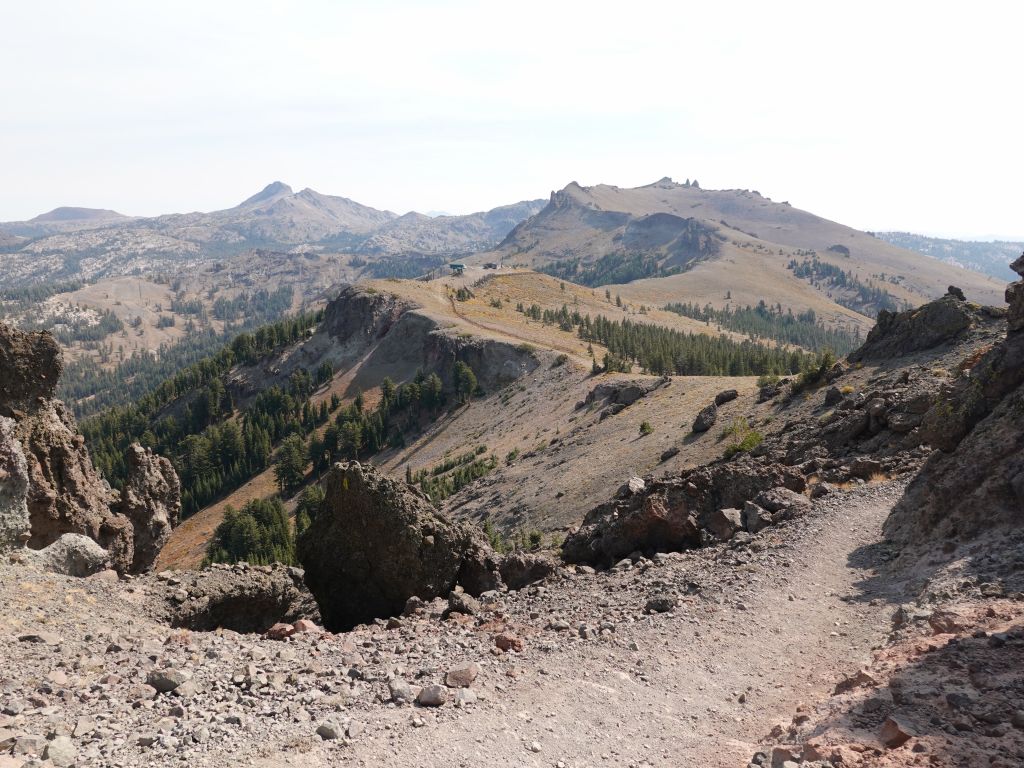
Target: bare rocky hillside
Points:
(710, 243)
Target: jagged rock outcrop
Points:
(670, 515)
(30, 364)
(64, 492)
(151, 500)
(377, 542)
(901, 333)
(362, 315)
(976, 480)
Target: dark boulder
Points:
(706, 418)
(670, 515)
(377, 542)
(726, 396)
(239, 597)
(521, 568)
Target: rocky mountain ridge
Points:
(83, 244)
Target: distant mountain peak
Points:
(70, 213)
(268, 194)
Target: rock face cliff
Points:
(61, 492)
(901, 333)
(407, 339)
(976, 480)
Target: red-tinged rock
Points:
(783, 756)
(462, 675)
(507, 641)
(305, 625)
(894, 734)
(861, 679)
(280, 631)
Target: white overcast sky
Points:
(895, 115)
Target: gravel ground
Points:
(689, 658)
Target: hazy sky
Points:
(880, 115)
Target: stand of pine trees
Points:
(258, 533)
(771, 322)
(359, 433)
(213, 450)
(666, 351)
(89, 389)
(819, 273)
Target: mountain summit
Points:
(270, 193)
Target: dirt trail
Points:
(780, 633)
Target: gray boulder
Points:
(151, 499)
(71, 555)
(14, 519)
(755, 517)
(521, 568)
(783, 503)
(723, 523)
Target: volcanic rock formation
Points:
(977, 479)
(377, 542)
(64, 493)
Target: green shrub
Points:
(744, 438)
(646, 428)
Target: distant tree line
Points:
(260, 306)
(107, 324)
(611, 268)
(667, 351)
(821, 273)
(33, 294)
(766, 321)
